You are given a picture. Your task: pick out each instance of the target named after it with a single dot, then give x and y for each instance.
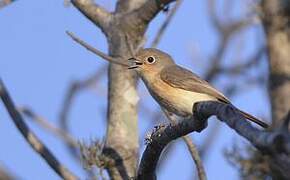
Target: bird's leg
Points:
(173, 119)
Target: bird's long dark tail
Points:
(254, 119)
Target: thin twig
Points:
(238, 68)
(74, 88)
(95, 51)
(192, 149)
(50, 127)
(165, 24)
(225, 31)
(31, 138)
(61, 133)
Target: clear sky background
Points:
(38, 61)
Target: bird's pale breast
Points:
(175, 100)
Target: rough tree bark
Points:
(276, 19)
(275, 144)
(123, 28)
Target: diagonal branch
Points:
(166, 23)
(61, 133)
(32, 139)
(74, 88)
(191, 147)
(95, 51)
(149, 10)
(93, 12)
(5, 174)
(124, 6)
(238, 68)
(275, 143)
(226, 30)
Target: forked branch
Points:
(93, 12)
(149, 10)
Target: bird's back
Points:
(179, 77)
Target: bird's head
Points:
(150, 61)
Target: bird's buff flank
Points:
(175, 88)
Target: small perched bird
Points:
(175, 88)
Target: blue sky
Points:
(38, 60)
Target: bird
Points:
(176, 89)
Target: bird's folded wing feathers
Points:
(182, 78)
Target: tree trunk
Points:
(276, 20)
(276, 15)
(124, 29)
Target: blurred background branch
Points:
(229, 55)
(31, 138)
(4, 3)
(5, 174)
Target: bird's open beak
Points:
(134, 63)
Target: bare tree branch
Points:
(93, 12)
(165, 24)
(74, 88)
(276, 20)
(213, 15)
(95, 51)
(63, 134)
(238, 68)
(149, 10)
(275, 143)
(67, 138)
(191, 147)
(31, 138)
(124, 6)
(225, 31)
(127, 25)
(5, 174)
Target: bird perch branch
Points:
(191, 147)
(275, 143)
(165, 24)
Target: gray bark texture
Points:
(276, 19)
(275, 144)
(123, 28)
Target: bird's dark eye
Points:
(151, 59)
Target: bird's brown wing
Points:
(179, 77)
